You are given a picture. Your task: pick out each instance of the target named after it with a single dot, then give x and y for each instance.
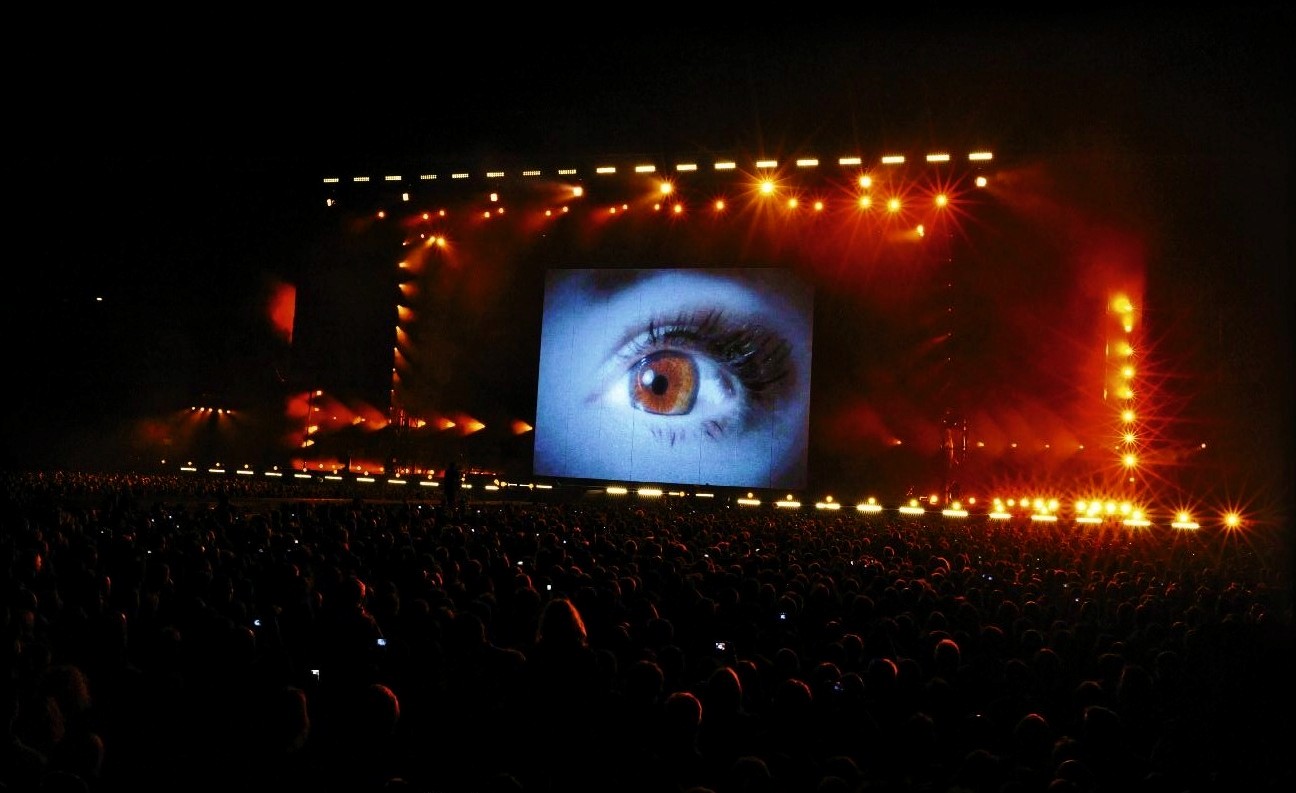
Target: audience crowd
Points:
(166, 635)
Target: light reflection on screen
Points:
(690, 376)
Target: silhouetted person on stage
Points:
(451, 485)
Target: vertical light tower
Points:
(1119, 389)
(954, 425)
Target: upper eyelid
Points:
(708, 323)
(762, 356)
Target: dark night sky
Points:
(174, 179)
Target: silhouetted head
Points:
(724, 690)
(644, 681)
(682, 713)
(561, 625)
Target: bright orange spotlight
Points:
(865, 181)
(719, 205)
(865, 202)
(666, 188)
(767, 187)
(1129, 460)
(893, 205)
(942, 200)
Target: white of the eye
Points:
(716, 392)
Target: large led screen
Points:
(690, 376)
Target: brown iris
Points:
(665, 383)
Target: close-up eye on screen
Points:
(691, 376)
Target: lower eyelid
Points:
(714, 429)
(706, 430)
